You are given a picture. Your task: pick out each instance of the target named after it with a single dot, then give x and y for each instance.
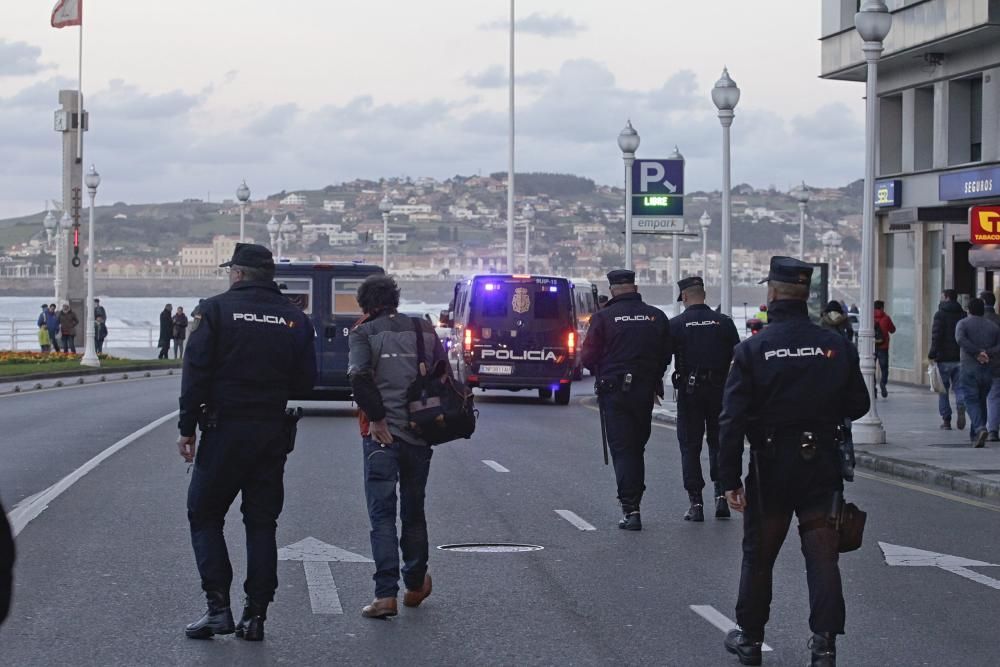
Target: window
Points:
(965, 120)
(900, 297)
(976, 119)
(923, 128)
(890, 134)
(345, 297)
(298, 291)
(546, 305)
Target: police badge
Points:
(521, 302)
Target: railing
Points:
(22, 334)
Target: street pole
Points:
(675, 267)
(802, 231)
(705, 221)
(628, 142)
(92, 180)
(725, 95)
(873, 23)
(510, 153)
(385, 206)
(243, 195)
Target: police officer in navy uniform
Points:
(703, 343)
(251, 351)
(788, 390)
(627, 349)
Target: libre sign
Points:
(658, 197)
(984, 225)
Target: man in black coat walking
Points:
(945, 352)
(166, 331)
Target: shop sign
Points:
(969, 184)
(984, 225)
(888, 194)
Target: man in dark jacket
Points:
(52, 322)
(382, 365)
(166, 331)
(993, 399)
(979, 341)
(68, 322)
(945, 353)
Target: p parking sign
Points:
(658, 196)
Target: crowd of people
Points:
(57, 328)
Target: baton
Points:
(604, 430)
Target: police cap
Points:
(789, 270)
(685, 283)
(621, 277)
(251, 256)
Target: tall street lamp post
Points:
(243, 195)
(705, 221)
(726, 95)
(92, 180)
(385, 206)
(628, 142)
(284, 232)
(50, 224)
(529, 216)
(802, 196)
(873, 23)
(273, 227)
(676, 250)
(510, 150)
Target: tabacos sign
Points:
(984, 225)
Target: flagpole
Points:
(79, 95)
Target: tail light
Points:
(468, 340)
(571, 342)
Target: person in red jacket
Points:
(883, 329)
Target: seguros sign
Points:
(984, 225)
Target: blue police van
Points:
(326, 292)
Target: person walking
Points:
(979, 341)
(835, 319)
(180, 321)
(945, 353)
(166, 331)
(884, 328)
(100, 334)
(68, 322)
(789, 390)
(44, 341)
(99, 310)
(254, 350)
(628, 350)
(382, 364)
(43, 316)
(993, 399)
(52, 323)
(703, 343)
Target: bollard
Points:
(58, 383)
(79, 380)
(104, 378)
(147, 374)
(38, 385)
(124, 375)
(17, 389)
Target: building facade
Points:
(938, 154)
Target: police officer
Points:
(252, 349)
(703, 343)
(627, 349)
(788, 390)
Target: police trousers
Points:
(628, 418)
(790, 485)
(246, 457)
(698, 415)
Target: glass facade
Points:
(933, 277)
(900, 297)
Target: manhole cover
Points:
(490, 548)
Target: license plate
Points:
(498, 369)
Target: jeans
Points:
(69, 343)
(54, 337)
(993, 407)
(698, 414)
(628, 417)
(882, 357)
(950, 378)
(385, 466)
(178, 348)
(976, 384)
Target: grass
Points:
(15, 370)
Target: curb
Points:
(953, 480)
(56, 375)
(23, 385)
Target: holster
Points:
(607, 385)
(291, 427)
(208, 419)
(846, 518)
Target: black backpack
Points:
(441, 408)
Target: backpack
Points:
(441, 408)
(879, 334)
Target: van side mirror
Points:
(445, 320)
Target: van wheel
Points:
(545, 394)
(562, 394)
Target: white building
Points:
(296, 200)
(333, 205)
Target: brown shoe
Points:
(380, 608)
(414, 598)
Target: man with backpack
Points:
(945, 353)
(883, 329)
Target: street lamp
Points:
(801, 194)
(287, 229)
(726, 95)
(873, 23)
(273, 227)
(92, 180)
(65, 222)
(705, 221)
(628, 142)
(676, 263)
(529, 215)
(243, 195)
(385, 206)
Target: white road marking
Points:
(28, 509)
(316, 557)
(575, 520)
(716, 618)
(322, 588)
(496, 466)
(909, 557)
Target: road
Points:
(106, 575)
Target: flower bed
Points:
(8, 358)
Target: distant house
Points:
(296, 200)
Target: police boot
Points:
(744, 646)
(721, 506)
(631, 519)
(251, 625)
(218, 620)
(824, 649)
(697, 510)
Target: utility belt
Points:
(209, 418)
(625, 382)
(689, 381)
(808, 441)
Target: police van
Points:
(585, 304)
(515, 332)
(326, 292)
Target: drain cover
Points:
(490, 548)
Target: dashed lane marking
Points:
(716, 618)
(574, 519)
(496, 466)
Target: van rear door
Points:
(299, 288)
(344, 313)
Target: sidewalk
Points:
(916, 448)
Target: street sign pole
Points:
(629, 160)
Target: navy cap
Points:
(251, 256)
(621, 277)
(685, 283)
(789, 270)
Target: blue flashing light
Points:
(554, 387)
(490, 287)
(553, 288)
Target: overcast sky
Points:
(189, 96)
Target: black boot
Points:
(630, 517)
(218, 620)
(722, 508)
(744, 646)
(824, 649)
(697, 510)
(251, 625)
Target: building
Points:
(333, 205)
(204, 259)
(938, 153)
(295, 200)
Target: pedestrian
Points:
(68, 322)
(43, 339)
(833, 318)
(99, 310)
(944, 352)
(789, 389)
(166, 331)
(703, 343)
(382, 366)
(43, 316)
(255, 350)
(761, 314)
(7, 556)
(180, 321)
(100, 333)
(627, 349)
(979, 340)
(884, 328)
(52, 322)
(993, 399)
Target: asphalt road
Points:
(106, 575)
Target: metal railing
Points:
(22, 334)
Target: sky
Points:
(188, 97)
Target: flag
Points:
(67, 13)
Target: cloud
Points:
(20, 59)
(495, 76)
(542, 25)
